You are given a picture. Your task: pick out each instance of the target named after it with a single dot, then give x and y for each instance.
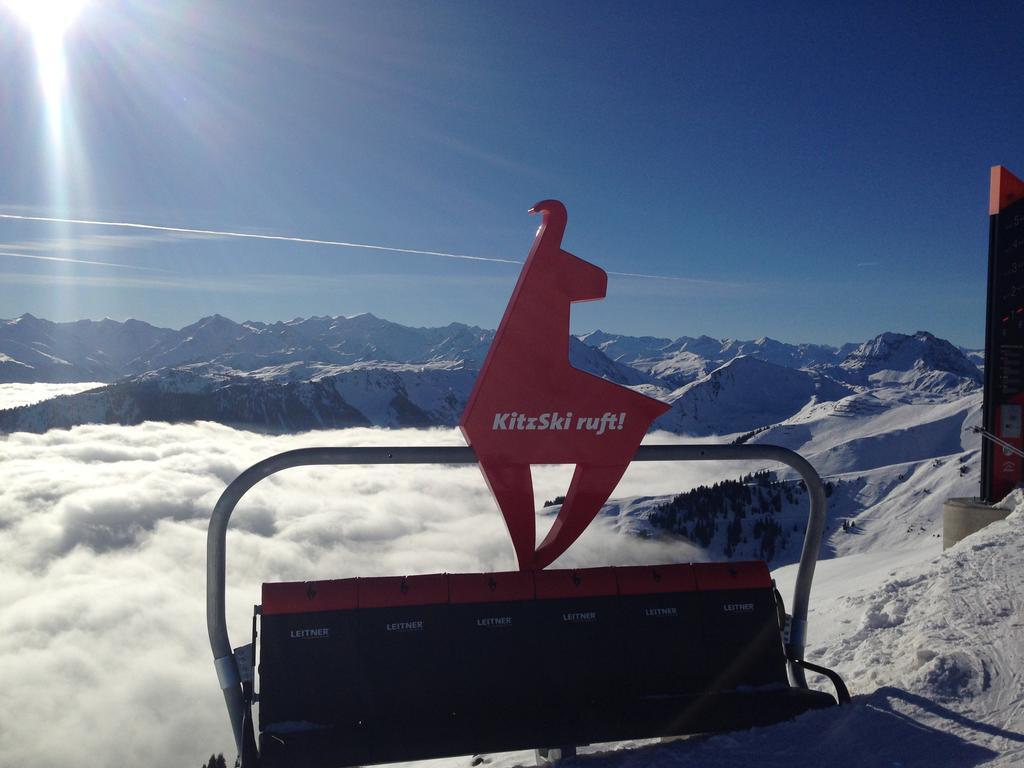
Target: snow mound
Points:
(949, 629)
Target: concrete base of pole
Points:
(962, 517)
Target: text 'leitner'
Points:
(513, 421)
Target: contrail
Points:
(80, 261)
(694, 280)
(252, 236)
(312, 241)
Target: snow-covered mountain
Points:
(684, 359)
(249, 346)
(745, 393)
(920, 362)
(39, 350)
(34, 350)
(346, 371)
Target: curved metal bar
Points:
(216, 541)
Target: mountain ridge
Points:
(319, 372)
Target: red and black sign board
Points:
(1002, 470)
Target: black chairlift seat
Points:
(375, 670)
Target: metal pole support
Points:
(216, 542)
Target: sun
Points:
(48, 23)
(48, 20)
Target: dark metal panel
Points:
(310, 702)
(742, 636)
(496, 681)
(404, 662)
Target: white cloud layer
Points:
(14, 395)
(104, 655)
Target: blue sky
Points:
(813, 172)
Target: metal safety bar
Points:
(216, 542)
(998, 441)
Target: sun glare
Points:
(48, 20)
(46, 17)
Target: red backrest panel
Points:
(751, 574)
(491, 587)
(397, 591)
(581, 582)
(655, 579)
(440, 588)
(309, 596)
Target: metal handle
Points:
(216, 541)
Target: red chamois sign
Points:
(530, 406)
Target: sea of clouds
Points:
(104, 656)
(14, 395)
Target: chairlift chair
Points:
(372, 670)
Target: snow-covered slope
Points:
(865, 431)
(938, 636)
(948, 626)
(744, 394)
(587, 358)
(889, 466)
(895, 508)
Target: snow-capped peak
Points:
(921, 361)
